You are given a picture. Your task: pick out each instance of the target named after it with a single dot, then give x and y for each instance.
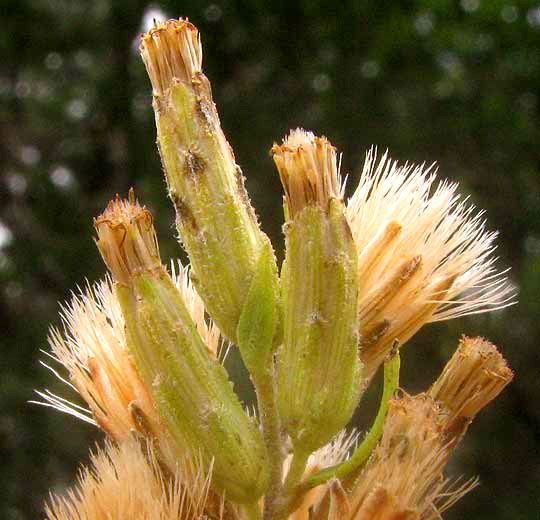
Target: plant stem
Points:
(294, 489)
(290, 498)
(264, 383)
(296, 470)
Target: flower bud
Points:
(318, 370)
(191, 389)
(214, 217)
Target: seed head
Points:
(404, 477)
(126, 481)
(423, 255)
(94, 351)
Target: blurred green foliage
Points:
(452, 82)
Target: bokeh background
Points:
(452, 82)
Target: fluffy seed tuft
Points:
(127, 482)
(404, 476)
(423, 255)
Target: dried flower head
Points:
(171, 50)
(423, 255)
(126, 238)
(404, 477)
(474, 376)
(125, 482)
(93, 349)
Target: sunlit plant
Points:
(359, 278)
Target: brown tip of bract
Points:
(474, 376)
(308, 170)
(126, 238)
(171, 50)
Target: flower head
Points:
(190, 387)
(404, 477)
(424, 255)
(126, 481)
(216, 223)
(93, 348)
(319, 373)
(474, 376)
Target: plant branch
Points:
(264, 383)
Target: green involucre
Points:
(192, 390)
(215, 220)
(319, 371)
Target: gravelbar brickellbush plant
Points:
(359, 278)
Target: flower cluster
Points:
(359, 278)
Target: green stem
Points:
(363, 451)
(296, 470)
(290, 499)
(264, 383)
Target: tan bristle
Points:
(404, 476)
(396, 216)
(125, 482)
